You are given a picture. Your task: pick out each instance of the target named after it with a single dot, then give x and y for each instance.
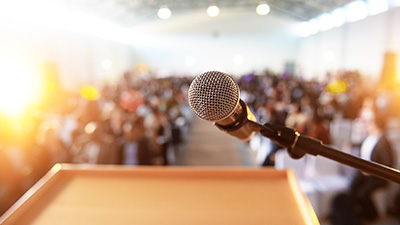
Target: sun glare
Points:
(19, 87)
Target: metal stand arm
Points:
(299, 145)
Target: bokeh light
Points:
(263, 9)
(164, 13)
(213, 10)
(90, 93)
(337, 87)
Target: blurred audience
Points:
(139, 120)
(143, 120)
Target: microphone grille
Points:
(213, 95)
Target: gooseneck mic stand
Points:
(299, 145)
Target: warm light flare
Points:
(19, 87)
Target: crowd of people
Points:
(311, 106)
(138, 120)
(141, 120)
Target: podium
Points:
(105, 194)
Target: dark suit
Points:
(363, 186)
(144, 152)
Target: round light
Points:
(339, 17)
(314, 26)
(213, 10)
(164, 13)
(326, 21)
(356, 10)
(304, 29)
(377, 6)
(90, 127)
(263, 9)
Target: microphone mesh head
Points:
(213, 95)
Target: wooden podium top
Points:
(77, 194)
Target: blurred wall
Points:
(358, 46)
(79, 59)
(235, 42)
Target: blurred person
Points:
(376, 147)
(296, 119)
(52, 148)
(316, 128)
(88, 111)
(350, 99)
(274, 117)
(307, 106)
(136, 147)
(297, 90)
(360, 124)
(285, 94)
(116, 120)
(86, 147)
(176, 122)
(361, 207)
(96, 145)
(161, 129)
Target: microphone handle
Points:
(298, 145)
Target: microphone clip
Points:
(284, 137)
(240, 128)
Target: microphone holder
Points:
(298, 145)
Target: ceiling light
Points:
(377, 6)
(263, 9)
(304, 29)
(164, 13)
(325, 22)
(314, 26)
(356, 10)
(213, 10)
(338, 17)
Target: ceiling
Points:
(129, 13)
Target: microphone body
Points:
(238, 124)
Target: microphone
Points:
(215, 96)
